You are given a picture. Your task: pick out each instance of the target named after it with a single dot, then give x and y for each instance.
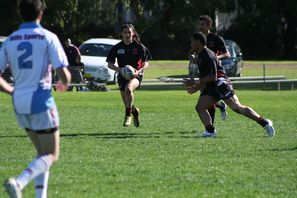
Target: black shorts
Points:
(221, 90)
(123, 82)
(211, 90)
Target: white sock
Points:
(35, 168)
(41, 182)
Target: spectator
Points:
(72, 53)
(74, 59)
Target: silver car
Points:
(234, 65)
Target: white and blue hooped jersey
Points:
(32, 51)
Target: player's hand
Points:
(193, 59)
(61, 87)
(193, 89)
(188, 82)
(136, 73)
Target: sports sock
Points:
(134, 111)
(211, 112)
(41, 182)
(210, 129)
(262, 121)
(128, 111)
(35, 168)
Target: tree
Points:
(9, 17)
(265, 29)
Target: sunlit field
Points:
(165, 157)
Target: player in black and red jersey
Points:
(216, 44)
(214, 86)
(130, 51)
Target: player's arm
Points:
(145, 65)
(5, 87)
(111, 59)
(64, 75)
(224, 53)
(146, 57)
(212, 73)
(64, 78)
(112, 66)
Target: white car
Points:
(93, 55)
(2, 39)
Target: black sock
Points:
(210, 129)
(128, 111)
(262, 122)
(134, 111)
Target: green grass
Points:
(288, 69)
(162, 158)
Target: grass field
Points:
(164, 157)
(250, 68)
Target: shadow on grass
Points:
(13, 136)
(284, 149)
(123, 135)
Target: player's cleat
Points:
(207, 134)
(127, 121)
(136, 120)
(223, 109)
(12, 188)
(269, 128)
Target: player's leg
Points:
(129, 89)
(236, 106)
(135, 110)
(127, 118)
(204, 103)
(41, 181)
(212, 111)
(223, 109)
(48, 145)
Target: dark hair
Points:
(207, 19)
(199, 36)
(136, 37)
(30, 9)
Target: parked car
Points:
(234, 65)
(2, 39)
(93, 55)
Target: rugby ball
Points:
(128, 72)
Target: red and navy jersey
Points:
(216, 43)
(209, 65)
(134, 54)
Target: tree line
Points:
(264, 29)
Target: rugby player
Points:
(32, 51)
(130, 51)
(214, 86)
(216, 44)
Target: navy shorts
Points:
(122, 82)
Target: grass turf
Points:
(288, 69)
(162, 158)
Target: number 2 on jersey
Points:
(27, 48)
